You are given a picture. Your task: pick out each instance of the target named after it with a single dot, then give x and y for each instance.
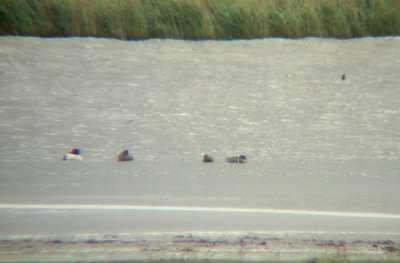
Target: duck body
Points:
(125, 156)
(237, 159)
(75, 154)
(207, 159)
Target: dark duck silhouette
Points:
(74, 154)
(237, 159)
(125, 156)
(207, 159)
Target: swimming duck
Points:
(75, 154)
(207, 159)
(237, 159)
(125, 156)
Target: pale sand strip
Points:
(274, 246)
(57, 232)
(197, 209)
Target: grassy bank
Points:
(200, 19)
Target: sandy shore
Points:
(254, 246)
(60, 233)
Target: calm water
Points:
(313, 141)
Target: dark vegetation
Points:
(200, 19)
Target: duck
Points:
(207, 159)
(74, 154)
(237, 159)
(124, 156)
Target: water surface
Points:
(313, 141)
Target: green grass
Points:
(200, 19)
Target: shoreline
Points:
(241, 246)
(125, 207)
(64, 219)
(127, 233)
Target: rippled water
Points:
(312, 140)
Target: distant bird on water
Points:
(125, 156)
(237, 159)
(75, 154)
(207, 159)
